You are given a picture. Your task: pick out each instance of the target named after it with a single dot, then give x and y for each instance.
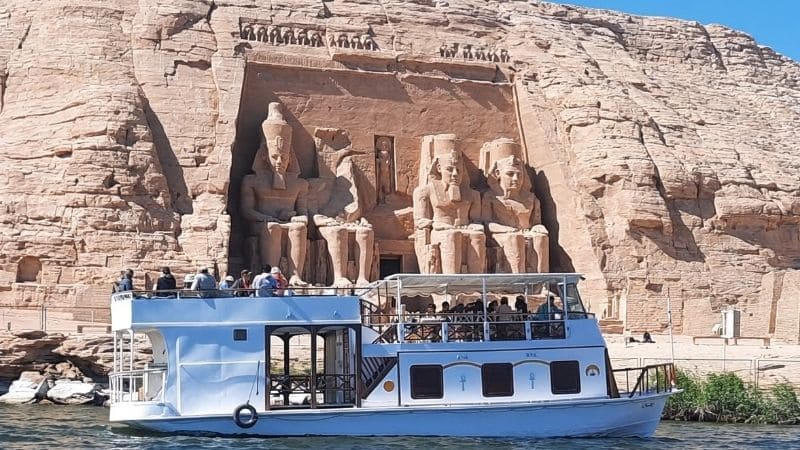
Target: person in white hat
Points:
(227, 282)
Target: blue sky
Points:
(772, 23)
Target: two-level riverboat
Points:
(324, 362)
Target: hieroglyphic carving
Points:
(511, 210)
(384, 167)
(474, 52)
(447, 211)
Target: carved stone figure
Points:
(302, 37)
(274, 200)
(337, 211)
(273, 35)
(511, 210)
(447, 212)
(246, 31)
(384, 167)
(316, 39)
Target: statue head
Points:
(384, 144)
(507, 173)
(447, 164)
(278, 141)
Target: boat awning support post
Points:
(357, 354)
(486, 336)
(286, 338)
(267, 374)
(401, 327)
(313, 382)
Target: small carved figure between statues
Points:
(274, 201)
(447, 211)
(384, 167)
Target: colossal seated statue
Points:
(336, 207)
(511, 210)
(447, 212)
(274, 201)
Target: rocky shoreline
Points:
(66, 369)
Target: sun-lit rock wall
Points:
(663, 150)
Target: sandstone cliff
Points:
(663, 149)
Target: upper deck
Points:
(137, 310)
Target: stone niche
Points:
(385, 117)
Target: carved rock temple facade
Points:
(655, 156)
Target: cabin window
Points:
(426, 382)
(498, 380)
(565, 378)
(239, 334)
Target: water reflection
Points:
(49, 426)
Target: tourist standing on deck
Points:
(166, 282)
(126, 281)
(227, 283)
(266, 285)
(242, 283)
(203, 281)
(265, 269)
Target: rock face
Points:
(662, 149)
(58, 356)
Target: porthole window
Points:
(426, 382)
(239, 334)
(498, 380)
(565, 378)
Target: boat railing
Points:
(655, 378)
(466, 327)
(139, 385)
(336, 388)
(304, 291)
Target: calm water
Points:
(54, 427)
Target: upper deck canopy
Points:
(507, 283)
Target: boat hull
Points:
(622, 417)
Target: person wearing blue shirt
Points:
(126, 281)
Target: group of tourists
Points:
(269, 283)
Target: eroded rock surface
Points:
(663, 150)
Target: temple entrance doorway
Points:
(390, 265)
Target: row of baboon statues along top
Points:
(285, 35)
(281, 35)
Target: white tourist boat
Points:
(231, 365)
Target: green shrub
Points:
(725, 397)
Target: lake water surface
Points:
(74, 427)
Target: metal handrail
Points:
(664, 379)
(136, 379)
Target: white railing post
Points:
(401, 327)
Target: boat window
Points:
(239, 334)
(498, 380)
(426, 382)
(574, 304)
(565, 378)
